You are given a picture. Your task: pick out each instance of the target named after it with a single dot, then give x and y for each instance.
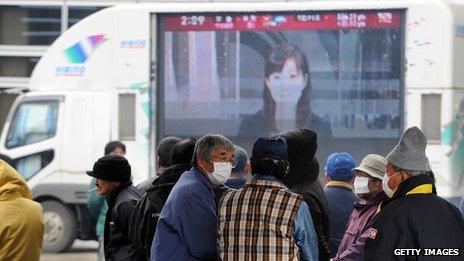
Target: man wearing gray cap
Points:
(414, 217)
(368, 187)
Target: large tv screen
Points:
(246, 75)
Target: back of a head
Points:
(164, 150)
(182, 152)
(340, 166)
(205, 146)
(269, 157)
(112, 145)
(302, 147)
(241, 157)
(11, 181)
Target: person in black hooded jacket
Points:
(302, 179)
(149, 207)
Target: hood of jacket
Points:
(302, 147)
(173, 173)
(408, 185)
(12, 184)
(376, 200)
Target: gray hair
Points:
(241, 157)
(205, 146)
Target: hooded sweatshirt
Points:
(302, 179)
(21, 223)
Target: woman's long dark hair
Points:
(275, 63)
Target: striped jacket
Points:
(256, 222)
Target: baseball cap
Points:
(340, 165)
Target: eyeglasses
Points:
(222, 159)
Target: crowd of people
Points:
(211, 200)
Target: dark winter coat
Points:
(302, 179)
(117, 241)
(341, 199)
(415, 217)
(150, 205)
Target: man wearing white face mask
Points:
(414, 217)
(186, 228)
(368, 187)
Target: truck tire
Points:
(60, 227)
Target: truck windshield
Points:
(33, 122)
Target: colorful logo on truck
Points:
(81, 51)
(78, 54)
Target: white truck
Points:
(138, 73)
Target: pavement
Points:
(80, 251)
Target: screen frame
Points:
(157, 29)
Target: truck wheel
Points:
(60, 227)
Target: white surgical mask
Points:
(388, 191)
(361, 185)
(221, 173)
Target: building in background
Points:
(27, 29)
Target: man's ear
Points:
(327, 178)
(404, 175)
(352, 179)
(200, 161)
(248, 169)
(157, 162)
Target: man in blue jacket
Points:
(186, 228)
(340, 195)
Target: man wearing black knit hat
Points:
(414, 217)
(113, 181)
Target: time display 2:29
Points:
(192, 20)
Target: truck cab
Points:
(89, 88)
(51, 137)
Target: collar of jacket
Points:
(198, 173)
(114, 194)
(421, 184)
(266, 181)
(416, 185)
(158, 186)
(173, 173)
(338, 183)
(422, 189)
(377, 199)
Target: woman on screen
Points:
(286, 97)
